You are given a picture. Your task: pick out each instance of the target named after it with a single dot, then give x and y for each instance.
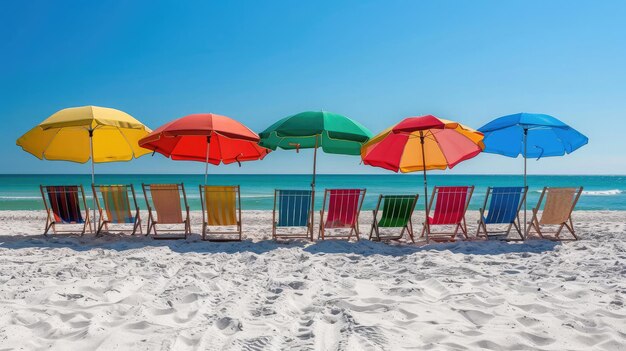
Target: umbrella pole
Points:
(93, 171)
(313, 184)
(425, 186)
(525, 182)
(314, 163)
(206, 163)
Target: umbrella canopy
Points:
(545, 136)
(334, 133)
(530, 135)
(420, 144)
(80, 134)
(206, 137)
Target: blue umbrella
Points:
(530, 135)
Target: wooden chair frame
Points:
(408, 226)
(354, 228)
(461, 225)
(309, 227)
(152, 222)
(50, 221)
(567, 224)
(482, 230)
(225, 234)
(103, 223)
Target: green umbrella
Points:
(334, 133)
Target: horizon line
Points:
(331, 174)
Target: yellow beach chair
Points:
(168, 204)
(117, 207)
(221, 207)
(557, 211)
(63, 207)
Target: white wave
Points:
(2, 197)
(610, 192)
(602, 192)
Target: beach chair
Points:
(63, 206)
(221, 207)
(167, 202)
(294, 210)
(344, 206)
(117, 207)
(504, 206)
(396, 212)
(557, 211)
(451, 203)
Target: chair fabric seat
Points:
(65, 204)
(397, 210)
(503, 205)
(450, 205)
(293, 208)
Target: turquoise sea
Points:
(21, 192)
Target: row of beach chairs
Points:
(293, 214)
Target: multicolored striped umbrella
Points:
(420, 144)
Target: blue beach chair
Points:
(504, 208)
(292, 209)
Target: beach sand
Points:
(121, 292)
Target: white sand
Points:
(118, 292)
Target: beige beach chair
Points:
(117, 209)
(63, 207)
(221, 207)
(167, 202)
(557, 212)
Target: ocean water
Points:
(21, 192)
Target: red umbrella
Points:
(208, 138)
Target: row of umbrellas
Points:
(421, 143)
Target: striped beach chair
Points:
(504, 206)
(292, 209)
(396, 212)
(115, 207)
(221, 207)
(451, 203)
(63, 206)
(168, 201)
(344, 206)
(556, 213)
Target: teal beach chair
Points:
(504, 206)
(292, 209)
(395, 213)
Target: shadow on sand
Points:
(193, 244)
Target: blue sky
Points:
(374, 61)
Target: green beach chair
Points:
(396, 212)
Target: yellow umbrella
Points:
(80, 134)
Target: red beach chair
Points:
(450, 207)
(344, 206)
